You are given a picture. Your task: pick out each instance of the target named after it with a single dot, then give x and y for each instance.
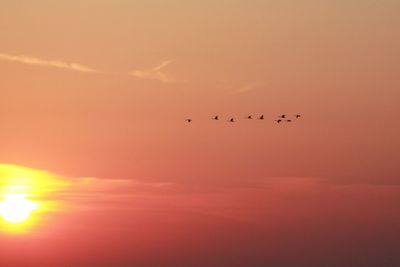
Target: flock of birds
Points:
(281, 118)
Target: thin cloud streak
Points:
(248, 87)
(15, 179)
(49, 63)
(155, 73)
(162, 65)
(234, 88)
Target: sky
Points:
(93, 100)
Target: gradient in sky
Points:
(93, 98)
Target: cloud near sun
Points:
(51, 187)
(25, 190)
(23, 180)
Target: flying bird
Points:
(261, 117)
(282, 116)
(298, 116)
(232, 120)
(278, 121)
(289, 120)
(215, 118)
(188, 120)
(249, 117)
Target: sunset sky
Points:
(93, 139)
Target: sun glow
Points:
(16, 208)
(30, 198)
(27, 198)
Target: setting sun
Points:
(16, 208)
(25, 196)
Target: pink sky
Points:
(102, 88)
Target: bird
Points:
(297, 116)
(249, 117)
(278, 121)
(215, 118)
(289, 120)
(188, 120)
(261, 117)
(282, 116)
(232, 120)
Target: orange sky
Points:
(102, 88)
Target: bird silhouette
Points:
(289, 120)
(261, 117)
(215, 118)
(249, 117)
(278, 121)
(232, 120)
(297, 116)
(282, 116)
(188, 120)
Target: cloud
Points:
(22, 180)
(49, 63)
(41, 184)
(155, 73)
(234, 88)
(248, 87)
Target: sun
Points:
(16, 208)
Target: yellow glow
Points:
(16, 208)
(26, 195)
(25, 181)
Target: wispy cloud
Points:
(248, 87)
(238, 88)
(47, 63)
(16, 179)
(156, 73)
